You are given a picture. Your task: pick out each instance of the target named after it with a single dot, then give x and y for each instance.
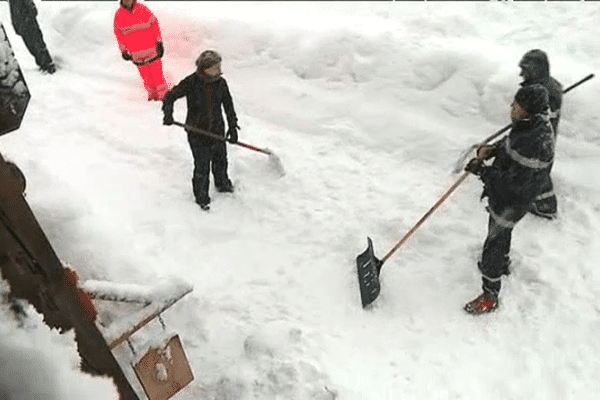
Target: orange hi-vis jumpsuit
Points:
(138, 33)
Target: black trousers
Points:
(495, 259)
(545, 205)
(34, 41)
(208, 156)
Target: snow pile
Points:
(155, 299)
(39, 364)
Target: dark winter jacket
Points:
(204, 96)
(522, 165)
(22, 12)
(536, 63)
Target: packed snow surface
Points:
(367, 105)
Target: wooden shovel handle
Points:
(431, 210)
(221, 138)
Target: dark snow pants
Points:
(207, 155)
(494, 259)
(34, 41)
(545, 205)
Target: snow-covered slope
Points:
(368, 106)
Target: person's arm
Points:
(155, 30)
(177, 92)
(232, 121)
(228, 106)
(121, 39)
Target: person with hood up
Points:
(23, 15)
(140, 42)
(206, 92)
(535, 69)
(517, 176)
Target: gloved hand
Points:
(126, 56)
(168, 119)
(160, 49)
(232, 134)
(487, 151)
(474, 166)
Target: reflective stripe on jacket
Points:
(137, 32)
(521, 169)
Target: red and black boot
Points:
(485, 303)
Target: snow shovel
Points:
(465, 154)
(369, 266)
(275, 161)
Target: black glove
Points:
(168, 119)
(160, 49)
(126, 56)
(232, 134)
(474, 166)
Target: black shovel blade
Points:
(368, 267)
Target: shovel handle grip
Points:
(507, 127)
(221, 138)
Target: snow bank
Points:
(37, 363)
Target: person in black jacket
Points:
(206, 92)
(519, 173)
(535, 69)
(23, 14)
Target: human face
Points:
(127, 3)
(525, 74)
(215, 70)
(517, 112)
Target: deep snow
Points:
(368, 106)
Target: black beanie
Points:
(533, 98)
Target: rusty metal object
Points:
(27, 260)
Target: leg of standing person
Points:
(34, 41)
(159, 85)
(219, 168)
(200, 178)
(146, 74)
(495, 259)
(545, 205)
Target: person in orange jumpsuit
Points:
(138, 35)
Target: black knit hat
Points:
(536, 63)
(533, 98)
(207, 59)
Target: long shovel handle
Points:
(461, 179)
(460, 162)
(507, 127)
(221, 138)
(431, 210)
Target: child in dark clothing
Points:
(206, 92)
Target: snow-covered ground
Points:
(368, 107)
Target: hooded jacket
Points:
(137, 32)
(536, 63)
(522, 165)
(204, 97)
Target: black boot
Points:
(226, 187)
(48, 68)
